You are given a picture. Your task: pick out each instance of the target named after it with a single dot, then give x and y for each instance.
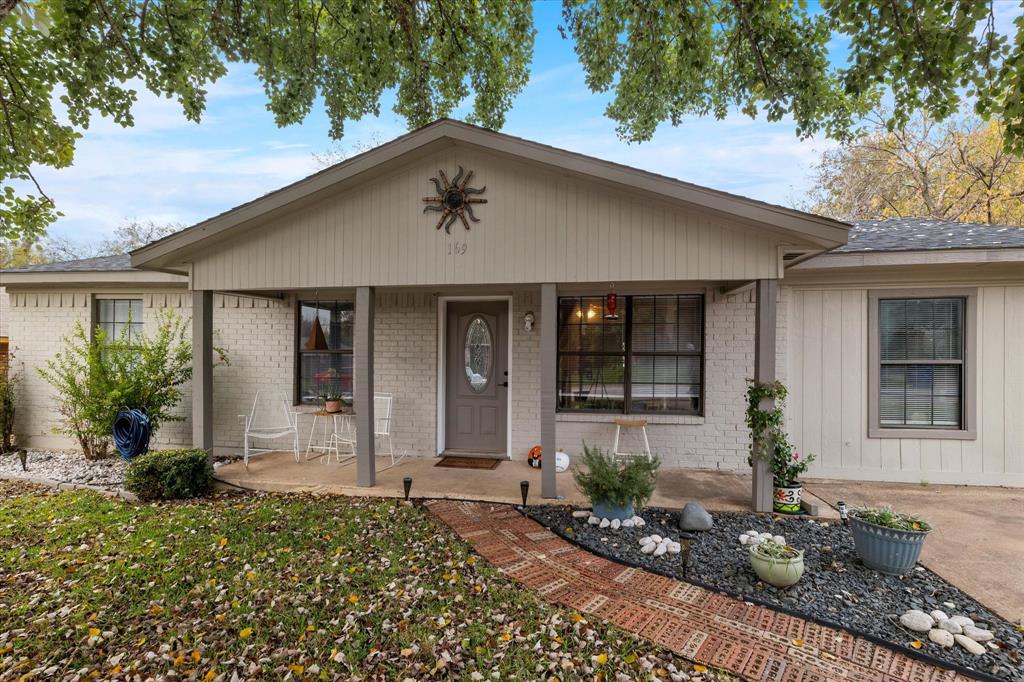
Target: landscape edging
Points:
(881, 641)
(119, 493)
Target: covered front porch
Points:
(399, 341)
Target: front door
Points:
(476, 390)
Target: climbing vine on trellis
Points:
(768, 438)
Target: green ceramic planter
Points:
(777, 572)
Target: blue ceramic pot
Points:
(886, 550)
(606, 510)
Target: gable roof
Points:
(806, 227)
(928, 234)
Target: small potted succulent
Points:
(886, 540)
(333, 401)
(776, 563)
(787, 465)
(616, 489)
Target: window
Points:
(119, 315)
(920, 364)
(647, 359)
(324, 351)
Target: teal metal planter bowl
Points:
(606, 510)
(886, 550)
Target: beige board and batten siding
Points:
(538, 225)
(827, 370)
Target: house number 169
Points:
(457, 248)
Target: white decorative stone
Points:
(616, 524)
(627, 523)
(674, 548)
(645, 539)
(969, 644)
(604, 523)
(941, 637)
(639, 522)
(744, 539)
(949, 604)
(961, 620)
(648, 548)
(779, 539)
(594, 520)
(916, 620)
(977, 634)
(656, 538)
(938, 616)
(753, 533)
(951, 626)
(660, 549)
(581, 514)
(765, 536)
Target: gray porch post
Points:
(202, 370)
(362, 379)
(764, 372)
(548, 386)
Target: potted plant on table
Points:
(617, 489)
(887, 540)
(333, 401)
(776, 563)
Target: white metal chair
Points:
(382, 420)
(271, 417)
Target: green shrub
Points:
(7, 397)
(887, 517)
(602, 478)
(95, 377)
(170, 475)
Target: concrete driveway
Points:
(978, 541)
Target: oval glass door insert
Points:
(478, 354)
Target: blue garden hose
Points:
(131, 433)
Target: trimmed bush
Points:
(170, 475)
(602, 478)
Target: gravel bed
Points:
(835, 587)
(67, 467)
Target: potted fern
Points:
(887, 540)
(616, 489)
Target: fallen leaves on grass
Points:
(307, 588)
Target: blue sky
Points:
(167, 169)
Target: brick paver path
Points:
(703, 626)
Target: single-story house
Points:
(511, 294)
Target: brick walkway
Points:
(703, 626)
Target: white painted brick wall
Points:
(259, 338)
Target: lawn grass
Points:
(270, 587)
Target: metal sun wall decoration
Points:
(454, 200)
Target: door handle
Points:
(504, 383)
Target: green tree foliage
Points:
(95, 377)
(87, 55)
(664, 60)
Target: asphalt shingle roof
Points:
(119, 263)
(928, 234)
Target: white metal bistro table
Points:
(333, 422)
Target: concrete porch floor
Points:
(279, 472)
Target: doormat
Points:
(451, 462)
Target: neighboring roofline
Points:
(902, 257)
(72, 277)
(819, 230)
